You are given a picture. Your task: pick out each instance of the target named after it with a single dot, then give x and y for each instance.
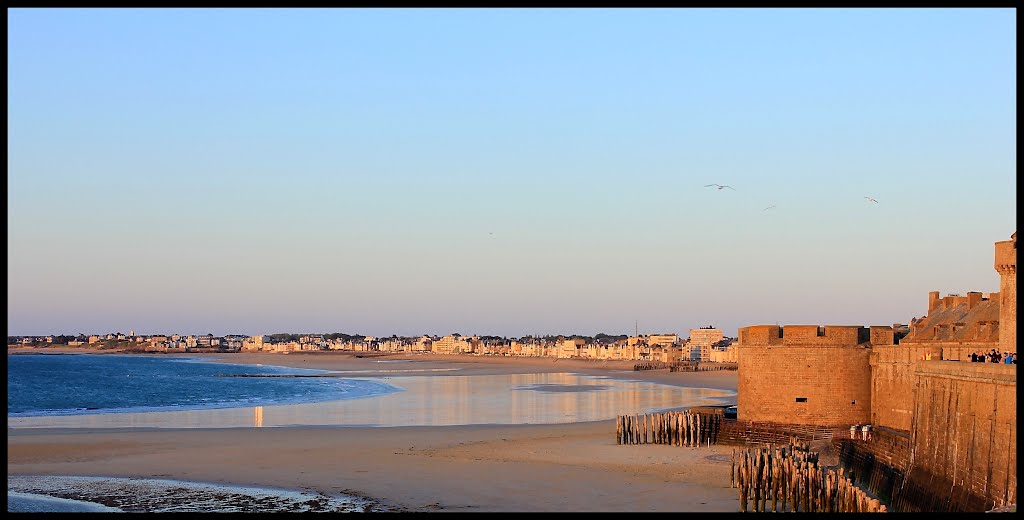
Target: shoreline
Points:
(492, 467)
(469, 364)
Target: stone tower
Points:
(1006, 266)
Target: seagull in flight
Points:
(719, 186)
(769, 207)
(870, 199)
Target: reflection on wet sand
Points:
(431, 401)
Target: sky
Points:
(502, 171)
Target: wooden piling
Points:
(732, 469)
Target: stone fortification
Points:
(806, 374)
(955, 421)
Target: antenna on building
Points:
(636, 325)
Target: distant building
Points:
(701, 340)
(567, 348)
(724, 351)
(663, 339)
(451, 345)
(422, 344)
(252, 344)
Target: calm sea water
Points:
(47, 384)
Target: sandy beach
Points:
(543, 467)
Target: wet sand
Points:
(547, 467)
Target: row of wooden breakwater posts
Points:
(675, 428)
(650, 365)
(789, 476)
(684, 366)
(702, 367)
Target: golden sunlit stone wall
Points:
(804, 374)
(965, 428)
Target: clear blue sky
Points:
(502, 171)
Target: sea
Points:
(41, 385)
(78, 384)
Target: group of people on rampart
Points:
(993, 356)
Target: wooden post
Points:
(692, 441)
(688, 430)
(844, 506)
(679, 429)
(694, 433)
(698, 430)
(698, 438)
(664, 428)
(827, 493)
(743, 498)
(815, 491)
(807, 488)
(765, 483)
(846, 496)
(671, 428)
(636, 428)
(794, 488)
(776, 474)
(657, 429)
(664, 433)
(668, 428)
(756, 478)
(786, 472)
(684, 429)
(732, 469)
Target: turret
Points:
(1006, 266)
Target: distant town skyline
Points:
(505, 172)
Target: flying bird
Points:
(719, 186)
(768, 208)
(870, 199)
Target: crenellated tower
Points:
(1006, 266)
